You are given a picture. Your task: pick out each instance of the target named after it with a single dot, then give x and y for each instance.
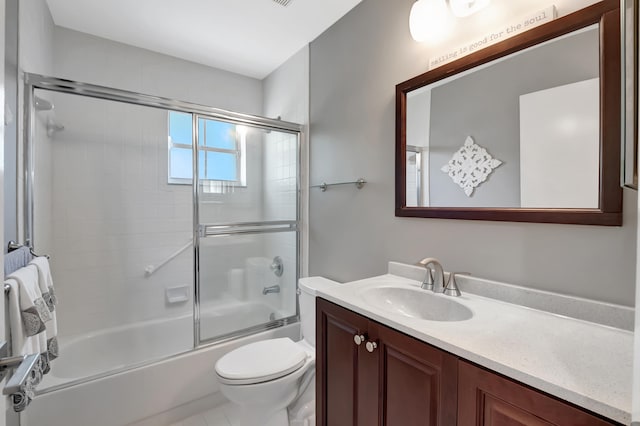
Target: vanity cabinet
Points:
(487, 399)
(368, 374)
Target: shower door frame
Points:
(37, 81)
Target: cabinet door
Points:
(345, 396)
(487, 399)
(417, 381)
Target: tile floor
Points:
(227, 415)
(223, 415)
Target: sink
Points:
(416, 303)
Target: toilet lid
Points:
(261, 361)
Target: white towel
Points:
(21, 344)
(45, 282)
(29, 316)
(34, 310)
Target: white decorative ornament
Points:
(470, 166)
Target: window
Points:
(221, 150)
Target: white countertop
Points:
(585, 363)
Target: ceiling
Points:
(249, 37)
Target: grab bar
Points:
(151, 269)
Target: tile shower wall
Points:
(280, 193)
(113, 214)
(286, 94)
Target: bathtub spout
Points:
(272, 289)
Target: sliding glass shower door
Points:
(248, 234)
(168, 224)
(118, 234)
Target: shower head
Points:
(42, 104)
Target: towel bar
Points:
(323, 186)
(12, 245)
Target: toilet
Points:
(264, 378)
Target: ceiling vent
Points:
(283, 2)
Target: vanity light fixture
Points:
(431, 20)
(462, 8)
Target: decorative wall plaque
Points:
(470, 166)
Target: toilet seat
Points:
(260, 362)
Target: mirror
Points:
(525, 130)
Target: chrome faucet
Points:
(433, 283)
(272, 289)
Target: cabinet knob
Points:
(359, 338)
(371, 346)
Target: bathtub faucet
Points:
(272, 289)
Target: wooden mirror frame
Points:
(607, 15)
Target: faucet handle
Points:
(451, 289)
(427, 283)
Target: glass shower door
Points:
(118, 233)
(247, 190)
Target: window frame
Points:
(239, 152)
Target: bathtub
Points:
(135, 394)
(93, 354)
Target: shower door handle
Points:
(24, 376)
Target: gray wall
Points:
(11, 127)
(354, 67)
(90, 59)
(485, 105)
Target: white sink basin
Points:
(416, 303)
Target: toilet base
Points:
(302, 411)
(305, 416)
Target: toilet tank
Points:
(308, 290)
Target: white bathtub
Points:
(119, 347)
(132, 395)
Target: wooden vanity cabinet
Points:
(401, 381)
(388, 379)
(488, 399)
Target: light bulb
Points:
(463, 8)
(429, 20)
